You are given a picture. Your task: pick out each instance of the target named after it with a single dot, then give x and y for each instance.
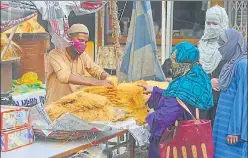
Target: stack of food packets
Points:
(16, 131)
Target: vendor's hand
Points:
(104, 76)
(169, 79)
(147, 89)
(110, 82)
(232, 139)
(216, 89)
(151, 111)
(103, 83)
(74, 87)
(214, 82)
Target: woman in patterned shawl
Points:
(230, 126)
(191, 85)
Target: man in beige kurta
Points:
(67, 67)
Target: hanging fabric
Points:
(140, 60)
(55, 12)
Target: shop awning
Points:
(55, 12)
(15, 12)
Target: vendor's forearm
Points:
(104, 76)
(80, 80)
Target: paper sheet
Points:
(69, 122)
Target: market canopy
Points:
(13, 13)
(55, 12)
(140, 60)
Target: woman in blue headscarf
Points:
(191, 85)
(230, 126)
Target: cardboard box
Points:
(13, 117)
(13, 139)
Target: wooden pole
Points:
(99, 32)
(8, 42)
(96, 37)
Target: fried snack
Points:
(89, 107)
(126, 96)
(29, 79)
(146, 97)
(131, 95)
(110, 92)
(12, 50)
(113, 79)
(162, 85)
(139, 115)
(29, 26)
(141, 82)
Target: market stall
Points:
(29, 41)
(26, 91)
(73, 124)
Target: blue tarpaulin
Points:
(140, 60)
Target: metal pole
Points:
(118, 142)
(163, 55)
(171, 22)
(132, 145)
(169, 29)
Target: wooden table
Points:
(57, 149)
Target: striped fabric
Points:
(231, 117)
(15, 12)
(140, 60)
(55, 12)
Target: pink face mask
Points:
(80, 47)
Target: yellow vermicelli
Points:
(131, 95)
(29, 79)
(12, 49)
(89, 107)
(162, 85)
(141, 82)
(97, 102)
(29, 26)
(126, 96)
(113, 79)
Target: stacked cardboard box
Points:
(16, 131)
